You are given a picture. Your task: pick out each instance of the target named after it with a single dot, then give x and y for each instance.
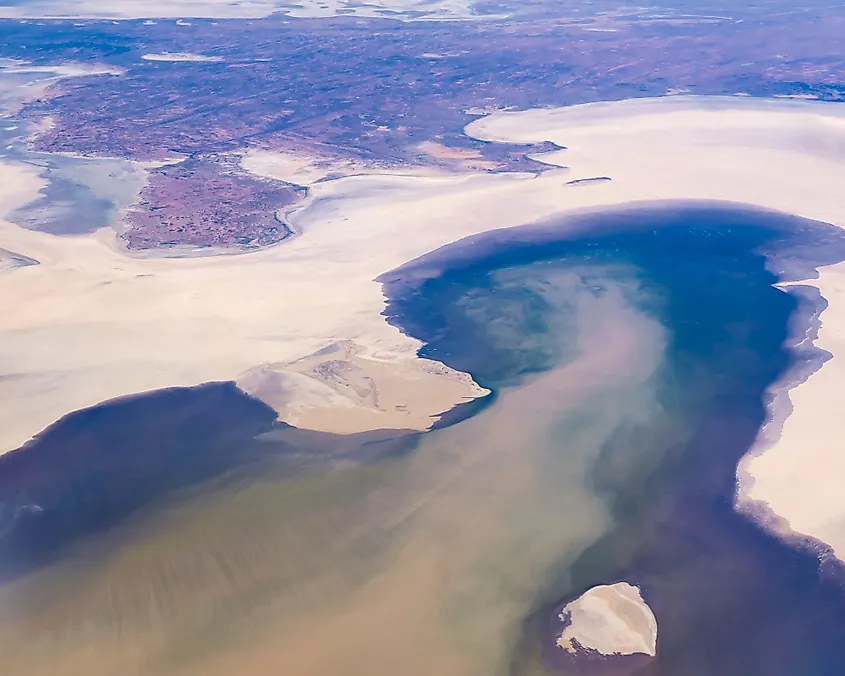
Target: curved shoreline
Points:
(590, 227)
(220, 318)
(787, 468)
(808, 359)
(677, 534)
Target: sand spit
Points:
(90, 323)
(611, 620)
(340, 390)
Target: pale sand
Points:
(466, 159)
(799, 474)
(363, 569)
(305, 169)
(298, 168)
(91, 323)
(610, 619)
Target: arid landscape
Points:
(458, 337)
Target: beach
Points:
(793, 478)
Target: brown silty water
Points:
(426, 563)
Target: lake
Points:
(629, 353)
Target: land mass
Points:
(238, 86)
(609, 620)
(275, 311)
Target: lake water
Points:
(81, 195)
(629, 354)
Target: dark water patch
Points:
(93, 468)
(10, 260)
(447, 297)
(585, 662)
(64, 207)
(589, 181)
(81, 195)
(463, 411)
(728, 597)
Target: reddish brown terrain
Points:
(206, 203)
(388, 93)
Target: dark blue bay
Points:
(91, 470)
(729, 598)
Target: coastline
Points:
(670, 483)
(790, 481)
(218, 318)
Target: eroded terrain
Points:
(390, 94)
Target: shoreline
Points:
(802, 338)
(216, 318)
(676, 508)
(787, 467)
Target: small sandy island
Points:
(300, 324)
(610, 620)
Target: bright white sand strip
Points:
(91, 323)
(799, 475)
(610, 619)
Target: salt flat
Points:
(92, 322)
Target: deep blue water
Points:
(94, 468)
(729, 598)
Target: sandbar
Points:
(611, 620)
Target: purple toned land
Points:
(375, 90)
(203, 203)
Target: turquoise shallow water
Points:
(628, 352)
(81, 194)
